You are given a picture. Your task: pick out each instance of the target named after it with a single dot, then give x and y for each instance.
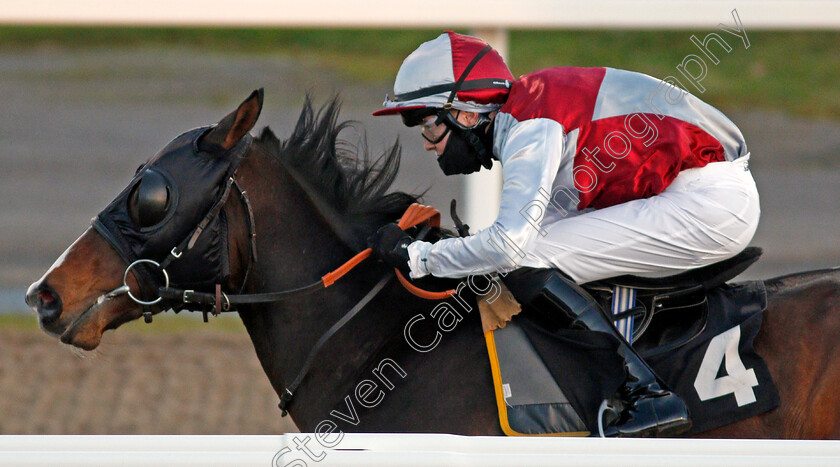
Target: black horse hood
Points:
(159, 215)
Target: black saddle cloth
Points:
(701, 345)
(715, 369)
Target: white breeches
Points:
(706, 215)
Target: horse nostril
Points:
(45, 301)
(46, 297)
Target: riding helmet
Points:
(428, 76)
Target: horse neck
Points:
(297, 246)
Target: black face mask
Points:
(458, 156)
(467, 151)
(162, 206)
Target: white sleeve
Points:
(530, 153)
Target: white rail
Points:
(411, 13)
(406, 450)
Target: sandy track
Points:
(191, 382)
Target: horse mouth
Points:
(83, 331)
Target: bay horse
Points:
(312, 203)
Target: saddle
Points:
(684, 293)
(551, 382)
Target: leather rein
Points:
(415, 214)
(219, 302)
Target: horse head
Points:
(166, 227)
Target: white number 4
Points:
(738, 380)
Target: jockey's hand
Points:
(390, 244)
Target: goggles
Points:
(433, 130)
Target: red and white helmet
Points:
(450, 62)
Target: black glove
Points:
(390, 244)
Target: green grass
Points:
(363, 55)
(18, 322)
(790, 71)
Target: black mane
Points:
(339, 173)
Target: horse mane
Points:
(348, 187)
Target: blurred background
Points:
(83, 105)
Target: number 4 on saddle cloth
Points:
(695, 331)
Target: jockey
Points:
(606, 172)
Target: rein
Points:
(415, 214)
(218, 302)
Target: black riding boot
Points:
(649, 408)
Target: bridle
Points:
(145, 269)
(190, 300)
